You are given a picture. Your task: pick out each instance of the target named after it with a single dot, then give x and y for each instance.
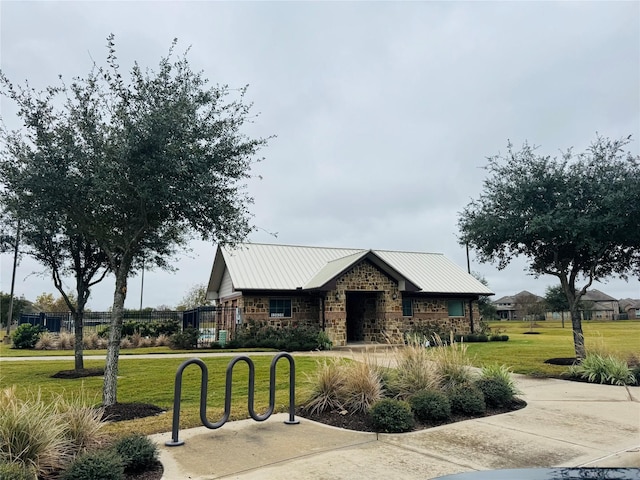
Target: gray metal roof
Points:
(254, 266)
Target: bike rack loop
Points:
(227, 396)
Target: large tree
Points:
(43, 186)
(575, 217)
(165, 158)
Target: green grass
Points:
(526, 353)
(152, 381)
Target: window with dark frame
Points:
(280, 308)
(456, 308)
(407, 307)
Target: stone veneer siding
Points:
(382, 324)
(304, 310)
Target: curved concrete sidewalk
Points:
(565, 424)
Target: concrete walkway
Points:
(565, 424)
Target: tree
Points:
(164, 159)
(45, 302)
(576, 217)
(20, 305)
(195, 297)
(530, 307)
(44, 188)
(556, 300)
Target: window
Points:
(407, 307)
(280, 307)
(456, 308)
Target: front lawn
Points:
(526, 352)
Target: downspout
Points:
(322, 310)
(471, 300)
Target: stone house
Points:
(354, 295)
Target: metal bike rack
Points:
(227, 396)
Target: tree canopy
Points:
(162, 154)
(575, 217)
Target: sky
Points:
(383, 113)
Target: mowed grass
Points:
(526, 353)
(152, 381)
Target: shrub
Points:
(466, 399)
(501, 373)
(323, 340)
(17, 471)
(66, 341)
(30, 433)
(326, 386)
(362, 386)
(391, 416)
(496, 392)
(185, 340)
(451, 363)
(137, 452)
(92, 341)
(46, 341)
(596, 368)
(125, 343)
(82, 422)
(163, 341)
(27, 335)
(415, 371)
(100, 465)
(431, 406)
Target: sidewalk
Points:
(565, 424)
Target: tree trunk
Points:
(110, 386)
(578, 336)
(78, 348)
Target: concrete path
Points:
(565, 424)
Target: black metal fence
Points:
(214, 323)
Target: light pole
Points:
(13, 282)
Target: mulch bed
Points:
(362, 423)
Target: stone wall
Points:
(304, 310)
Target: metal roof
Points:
(255, 266)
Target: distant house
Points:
(630, 307)
(594, 305)
(518, 306)
(355, 295)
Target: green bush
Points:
(597, 368)
(431, 406)
(391, 416)
(137, 452)
(288, 338)
(27, 335)
(496, 392)
(99, 465)
(185, 340)
(466, 399)
(501, 373)
(16, 471)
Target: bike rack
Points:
(227, 396)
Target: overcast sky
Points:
(384, 112)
